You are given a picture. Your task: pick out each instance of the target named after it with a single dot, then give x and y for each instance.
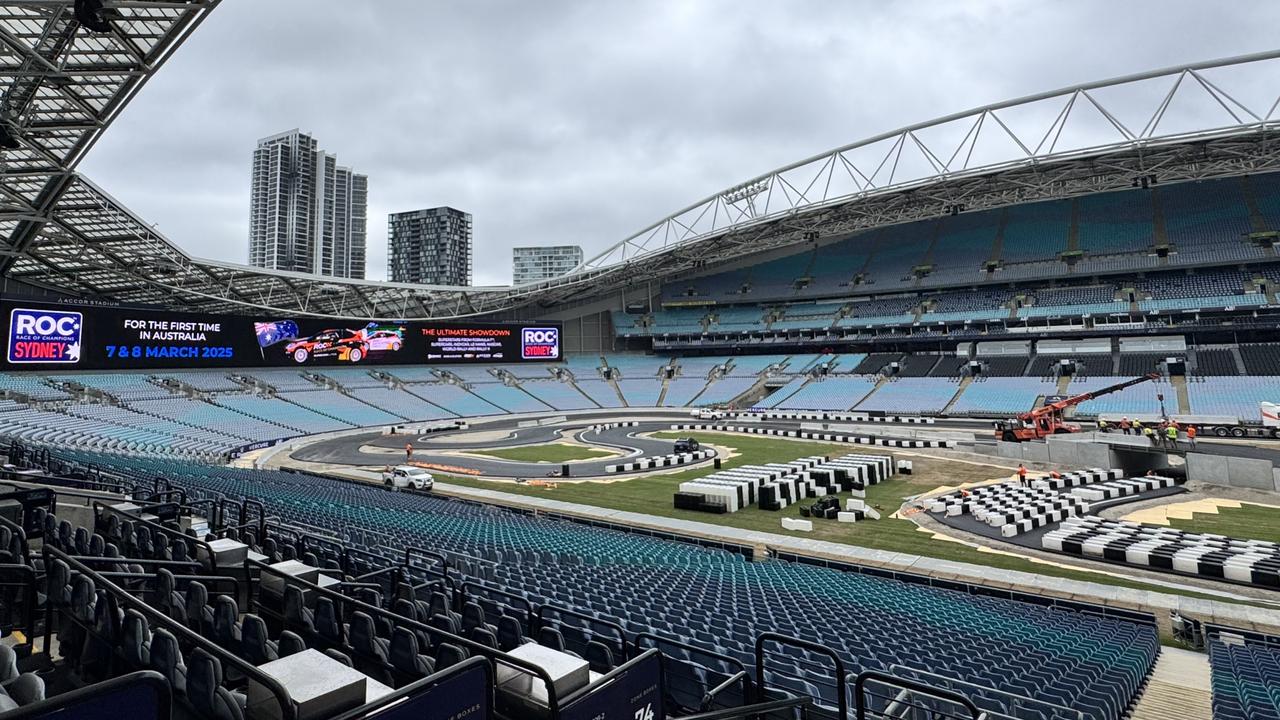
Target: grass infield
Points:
(652, 495)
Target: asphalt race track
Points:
(376, 448)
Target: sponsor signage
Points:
(63, 336)
(633, 694)
(44, 336)
(540, 343)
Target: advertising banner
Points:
(634, 694)
(45, 336)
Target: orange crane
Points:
(1047, 420)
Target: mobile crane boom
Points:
(1047, 419)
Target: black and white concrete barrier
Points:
(813, 435)
(660, 461)
(834, 417)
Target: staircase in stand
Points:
(1178, 690)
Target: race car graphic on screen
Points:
(345, 345)
(270, 333)
(383, 338)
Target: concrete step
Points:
(1178, 690)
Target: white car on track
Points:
(707, 414)
(408, 476)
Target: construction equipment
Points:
(1047, 419)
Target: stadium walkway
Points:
(1179, 688)
(1246, 617)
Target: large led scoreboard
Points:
(68, 336)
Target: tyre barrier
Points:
(823, 436)
(836, 417)
(661, 461)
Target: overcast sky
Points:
(582, 122)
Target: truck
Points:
(401, 477)
(1224, 427)
(1048, 420)
(707, 414)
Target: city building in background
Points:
(431, 247)
(531, 264)
(307, 213)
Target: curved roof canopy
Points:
(63, 84)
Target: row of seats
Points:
(717, 599)
(1202, 222)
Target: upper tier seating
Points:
(1215, 361)
(1204, 222)
(1261, 358)
(1002, 365)
(1115, 222)
(875, 362)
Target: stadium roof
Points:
(64, 84)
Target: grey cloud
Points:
(583, 122)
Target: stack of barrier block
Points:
(1256, 562)
(1013, 509)
(852, 473)
(1077, 479)
(1124, 487)
(1016, 510)
(773, 484)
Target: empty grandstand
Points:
(171, 550)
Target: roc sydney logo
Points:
(540, 343)
(44, 336)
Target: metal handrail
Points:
(415, 688)
(895, 668)
(53, 706)
(138, 519)
(592, 621)
(288, 711)
(748, 711)
(860, 681)
(530, 615)
(492, 655)
(842, 702)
